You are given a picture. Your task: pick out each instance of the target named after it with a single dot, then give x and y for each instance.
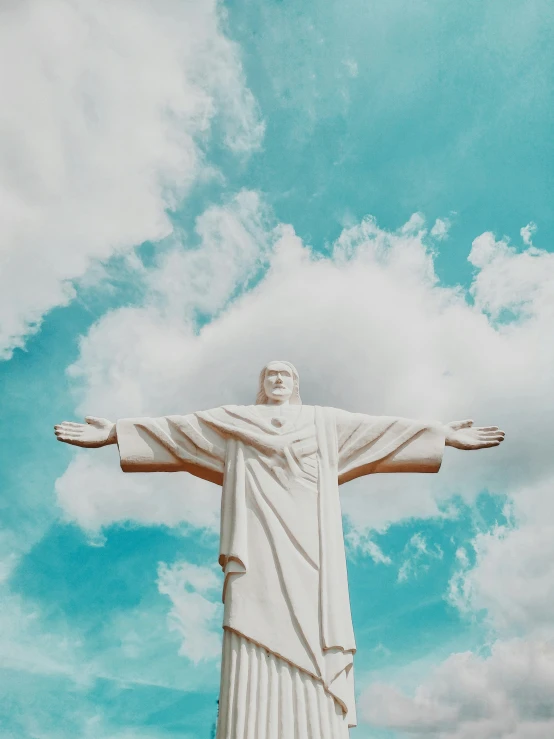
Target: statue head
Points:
(279, 382)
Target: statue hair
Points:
(261, 398)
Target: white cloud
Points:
(509, 694)
(44, 655)
(440, 229)
(414, 225)
(358, 541)
(196, 613)
(509, 577)
(527, 233)
(521, 282)
(370, 329)
(235, 240)
(105, 111)
(27, 646)
(143, 646)
(512, 579)
(417, 555)
(96, 493)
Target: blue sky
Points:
(194, 188)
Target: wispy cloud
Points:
(448, 356)
(527, 233)
(417, 556)
(107, 109)
(508, 693)
(362, 542)
(195, 593)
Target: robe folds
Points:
(281, 546)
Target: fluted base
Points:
(264, 697)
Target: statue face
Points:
(278, 382)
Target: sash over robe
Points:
(281, 545)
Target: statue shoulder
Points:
(219, 411)
(342, 417)
(331, 410)
(227, 412)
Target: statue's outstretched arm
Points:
(464, 435)
(164, 444)
(370, 444)
(96, 432)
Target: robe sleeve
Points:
(171, 444)
(370, 444)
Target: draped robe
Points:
(281, 545)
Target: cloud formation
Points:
(196, 611)
(401, 344)
(370, 328)
(508, 575)
(508, 694)
(104, 122)
(417, 555)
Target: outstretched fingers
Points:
(68, 431)
(491, 434)
(68, 439)
(488, 443)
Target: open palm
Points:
(94, 433)
(464, 435)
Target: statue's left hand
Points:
(96, 432)
(464, 435)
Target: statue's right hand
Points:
(94, 433)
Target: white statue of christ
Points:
(288, 641)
